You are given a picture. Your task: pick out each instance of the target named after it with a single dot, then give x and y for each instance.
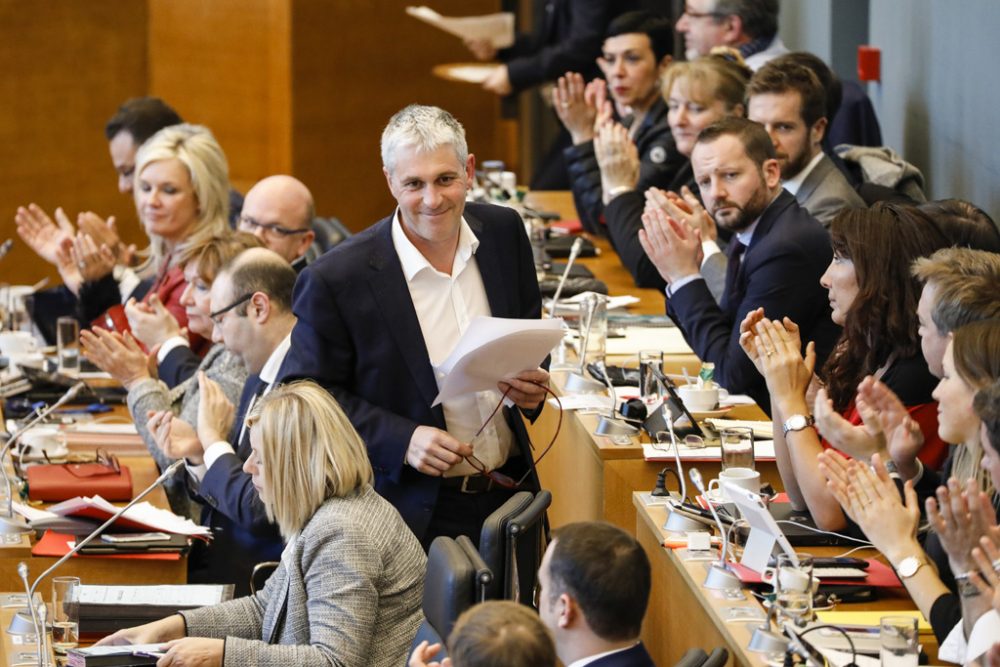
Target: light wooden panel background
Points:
(287, 86)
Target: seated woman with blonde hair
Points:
(349, 586)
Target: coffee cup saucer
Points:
(711, 414)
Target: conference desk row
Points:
(592, 478)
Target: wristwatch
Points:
(797, 423)
(909, 566)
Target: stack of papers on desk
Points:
(668, 339)
(141, 517)
(763, 451)
(105, 609)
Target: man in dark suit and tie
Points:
(251, 307)
(776, 257)
(593, 590)
(380, 312)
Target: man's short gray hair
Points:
(759, 17)
(425, 128)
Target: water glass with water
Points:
(793, 579)
(649, 384)
(68, 341)
(65, 613)
(737, 448)
(898, 641)
(593, 328)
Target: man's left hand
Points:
(524, 388)
(498, 81)
(673, 248)
(193, 652)
(216, 412)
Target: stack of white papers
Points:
(95, 507)
(763, 450)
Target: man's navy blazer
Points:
(779, 272)
(637, 656)
(242, 534)
(358, 335)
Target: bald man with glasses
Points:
(279, 210)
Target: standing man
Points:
(789, 101)
(380, 312)
(775, 258)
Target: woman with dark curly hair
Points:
(873, 296)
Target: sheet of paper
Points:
(143, 513)
(493, 348)
(497, 28)
(189, 595)
(472, 73)
(761, 429)
(763, 451)
(571, 305)
(668, 339)
(103, 428)
(129, 649)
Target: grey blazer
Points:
(826, 191)
(220, 365)
(347, 593)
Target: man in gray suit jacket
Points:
(789, 101)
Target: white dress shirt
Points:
(268, 374)
(445, 306)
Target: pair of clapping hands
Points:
(121, 354)
(178, 439)
(85, 255)
(964, 519)
(775, 348)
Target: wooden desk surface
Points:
(590, 476)
(102, 570)
(683, 614)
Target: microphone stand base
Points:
(14, 525)
(721, 579)
(678, 523)
(579, 384)
(611, 428)
(21, 623)
(765, 640)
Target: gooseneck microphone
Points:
(719, 575)
(167, 473)
(574, 252)
(22, 571)
(7, 523)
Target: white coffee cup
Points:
(17, 343)
(44, 439)
(699, 399)
(745, 478)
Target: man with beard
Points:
(789, 101)
(775, 258)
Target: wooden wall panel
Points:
(355, 63)
(225, 64)
(65, 66)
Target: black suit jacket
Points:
(623, 220)
(637, 656)
(242, 534)
(358, 335)
(780, 272)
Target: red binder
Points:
(58, 482)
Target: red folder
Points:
(58, 482)
(57, 544)
(880, 575)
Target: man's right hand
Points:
(433, 451)
(37, 229)
(175, 437)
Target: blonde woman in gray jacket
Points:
(349, 586)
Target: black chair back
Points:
(493, 541)
(525, 547)
(329, 232)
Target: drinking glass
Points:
(68, 340)
(65, 613)
(649, 384)
(898, 641)
(793, 587)
(737, 448)
(593, 328)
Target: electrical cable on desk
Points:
(850, 551)
(850, 642)
(863, 543)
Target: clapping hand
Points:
(423, 656)
(672, 246)
(36, 228)
(175, 437)
(617, 158)
(748, 335)
(92, 261)
(788, 373)
(902, 434)
(684, 207)
(151, 322)
(859, 441)
(574, 102)
(987, 579)
(961, 519)
(498, 81)
(105, 233)
(116, 354)
(216, 413)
